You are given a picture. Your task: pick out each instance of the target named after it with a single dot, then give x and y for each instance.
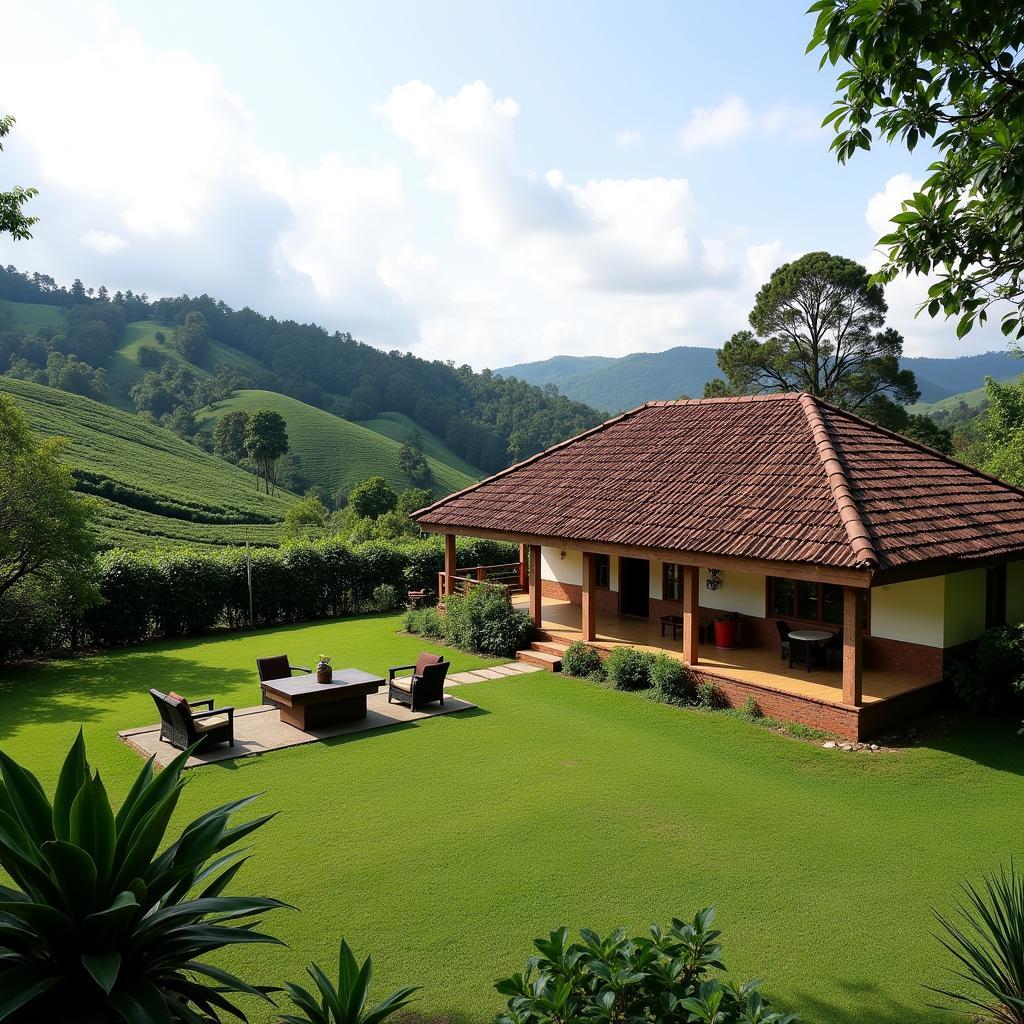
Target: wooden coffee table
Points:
(307, 704)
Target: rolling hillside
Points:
(398, 427)
(29, 316)
(335, 453)
(124, 372)
(156, 489)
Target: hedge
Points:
(156, 595)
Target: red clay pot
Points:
(725, 634)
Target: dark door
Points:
(635, 587)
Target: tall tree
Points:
(372, 498)
(950, 73)
(266, 440)
(229, 435)
(45, 531)
(13, 220)
(192, 338)
(819, 328)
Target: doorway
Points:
(635, 587)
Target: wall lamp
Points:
(714, 580)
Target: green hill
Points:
(335, 453)
(29, 316)
(124, 372)
(398, 427)
(156, 489)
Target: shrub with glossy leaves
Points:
(668, 975)
(108, 920)
(582, 660)
(344, 1003)
(629, 669)
(671, 678)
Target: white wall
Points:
(742, 592)
(563, 570)
(965, 607)
(1015, 592)
(912, 612)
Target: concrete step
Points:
(552, 662)
(556, 647)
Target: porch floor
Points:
(755, 665)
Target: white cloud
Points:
(628, 137)
(733, 119)
(104, 242)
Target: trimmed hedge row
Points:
(147, 596)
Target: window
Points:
(671, 581)
(603, 571)
(995, 596)
(805, 600)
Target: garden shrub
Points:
(629, 669)
(992, 678)
(670, 974)
(128, 583)
(423, 622)
(482, 621)
(190, 593)
(386, 597)
(751, 709)
(582, 660)
(709, 695)
(671, 679)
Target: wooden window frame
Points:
(665, 567)
(604, 561)
(770, 612)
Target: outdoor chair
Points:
(182, 727)
(425, 684)
(783, 628)
(277, 667)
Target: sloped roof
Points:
(787, 478)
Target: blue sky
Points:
(487, 183)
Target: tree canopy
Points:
(266, 440)
(13, 219)
(45, 531)
(372, 498)
(951, 74)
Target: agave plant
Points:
(346, 1002)
(987, 939)
(109, 923)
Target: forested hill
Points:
(486, 420)
(629, 381)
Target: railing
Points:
(509, 575)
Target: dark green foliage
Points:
(629, 669)
(108, 921)
(482, 621)
(149, 356)
(229, 434)
(413, 463)
(344, 1002)
(372, 498)
(190, 594)
(668, 975)
(708, 695)
(985, 936)
(582, 660)
(128, 588)
(671, 679)
(192, 337)
(991, 678)
(266, 440)
(13, 220)
(951, 74)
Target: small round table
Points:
(808, 637)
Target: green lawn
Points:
(443, 847)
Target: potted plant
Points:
(323, 669)
(726, 628)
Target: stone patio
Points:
(259, 730)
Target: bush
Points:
(992, 678)
(128, 583)
(386, 597)
(424, 622)
(750, 708)
(709, 695)
(482, 621)
(671, 678)
(582, 660)
(629, 669)
(666, 975)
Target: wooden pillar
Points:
(524, 583)
(449, 563)
(588, 630)
(691, 613)
(853, 645)
(535, 609)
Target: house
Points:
(779, 508)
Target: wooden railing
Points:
(509, 575)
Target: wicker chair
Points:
(276, 667)
(182, 727)
(424, 685)
(783, 628)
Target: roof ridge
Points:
(835, 472)
(533, 458)
(769, 396)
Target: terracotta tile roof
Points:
(781, 477)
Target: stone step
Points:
(556, 647)
(552, 662)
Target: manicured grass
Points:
(443, 847)
(336, 453)
(208, 501)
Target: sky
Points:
(486, 183)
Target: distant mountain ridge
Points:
(614, 384)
